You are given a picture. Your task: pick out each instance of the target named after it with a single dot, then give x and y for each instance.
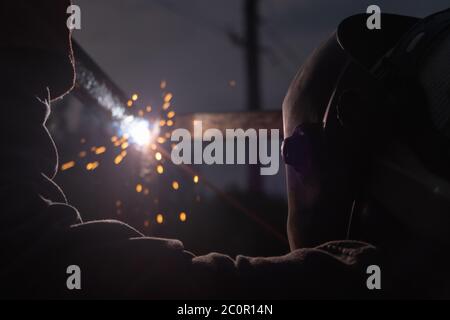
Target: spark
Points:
(161, 140)
(118, 159)
(100, 150)
(168, 97)
(171, 114)
(139, 130)
(92, 166)
(68, 165)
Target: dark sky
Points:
(187, 43)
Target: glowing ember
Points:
(183, 217)
(68, 165)
(100, 150)
(171, 114)
(118, 159)
(161, 140)
(92, 166)
(168, 97)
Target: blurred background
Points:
(176, 57)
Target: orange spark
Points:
(168, 97)
(68, 165)
(171, 114)
(100, 150)
(118, 159)
(92, 166)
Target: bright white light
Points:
(139, 130)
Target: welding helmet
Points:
(367, 124)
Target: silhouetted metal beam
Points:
(233, 120)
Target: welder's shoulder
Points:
(335, 269)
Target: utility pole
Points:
(252, 54)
